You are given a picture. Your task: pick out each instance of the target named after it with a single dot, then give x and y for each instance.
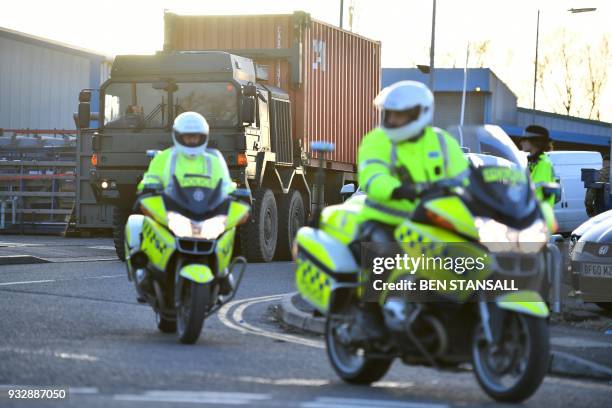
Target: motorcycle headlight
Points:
(184, 227)
(179, 225)
(499, 237)
(211, 228)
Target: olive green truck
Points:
(268, 86)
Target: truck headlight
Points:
(184, 227)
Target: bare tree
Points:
(557, 72)
(566, 89)
(480, 50)
(598, 62)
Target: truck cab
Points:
(250, 125)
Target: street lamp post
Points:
(432, 47)
(535, 69)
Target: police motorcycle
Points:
(182, 263)
(504, 338)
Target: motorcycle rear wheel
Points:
(512, 370)
(350, 363)
(191, 310)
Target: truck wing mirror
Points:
(84, 112)
(249, 90)
(248, 110)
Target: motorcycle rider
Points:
(397, 162)
(404, 157)
(190, 163)
(536, 142)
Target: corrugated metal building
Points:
(489, 100)
(40, 81)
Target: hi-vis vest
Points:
(542, 171)
(384, 165)
(204, 170)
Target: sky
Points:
(403, 26)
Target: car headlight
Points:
(184, 227)
(499, 237)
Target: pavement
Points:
(74, 323)
(29, 249)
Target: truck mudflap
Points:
(324, 266)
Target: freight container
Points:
(331, 74)
(268, 85)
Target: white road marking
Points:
(308, 382)
(105, 247)
(195, 397)
(332, 402)
(238, 323)
(26, 282)
(58, 354)
(83, 259)
(60, 280)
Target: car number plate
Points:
(597, 270)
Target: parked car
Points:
(570, 210)
(591, 260)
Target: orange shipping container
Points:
(331, 74)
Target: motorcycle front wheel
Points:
(191, 310)
(513, 369)
(349, 362)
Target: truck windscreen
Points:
(216, 101)
(135, 105)
(141, 105)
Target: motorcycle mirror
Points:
(241, 193)
(152, 153)
(347, 190)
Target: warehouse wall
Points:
(39, 84)
(447, 111)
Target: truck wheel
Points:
(258, 236)
(120, 216)
(291, 218)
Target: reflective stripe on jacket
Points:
(201, 171)
(384, 165)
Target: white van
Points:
(570, 211)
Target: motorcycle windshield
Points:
(195, 202)
(503, 191)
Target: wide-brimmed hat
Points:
(536, 132)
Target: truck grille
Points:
(280, 131)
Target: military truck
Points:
(310, 81)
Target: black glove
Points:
(405, 191)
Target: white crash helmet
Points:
(413, 97)
(190, 123)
